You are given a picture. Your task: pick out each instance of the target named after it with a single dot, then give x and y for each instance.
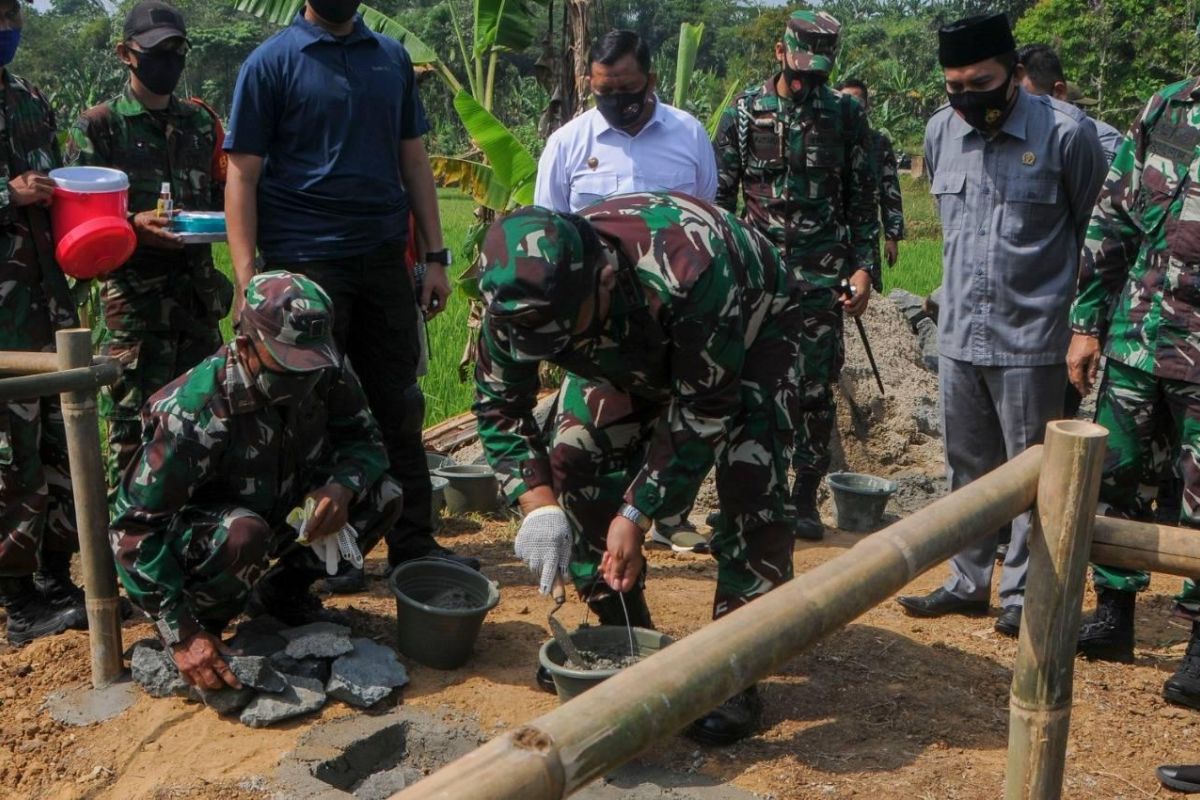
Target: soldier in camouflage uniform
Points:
(799, 153)
(887, 184)
(163, 308)
(231, 447)
(38, 530)
(1139, 292)
(678, 328)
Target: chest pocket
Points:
(592, 187)
(766, 144)
(824, 159)
(948, 188)
(1030, 208)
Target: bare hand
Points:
(435, 290)
(332, 511)
(856, 303)
(30, 188)
(201, 663)
(1083, 362)
(623, 562)
(152, 231)
(891, 251)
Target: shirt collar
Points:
(657, 118)
(239, 393)
(1015, 126)
(311, 34)
(128, 105)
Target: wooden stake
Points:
(1059, 546)
(91, 513)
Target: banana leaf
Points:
(474, 179)
(514, 166)
(505, 24)
(685, 61)
(714, 121)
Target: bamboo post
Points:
(1143, 545)
(82, 379)
(562, 751)
(13, 362)
(1059, 546)
(91, 513)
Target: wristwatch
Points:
(442, 257)
(636, 517)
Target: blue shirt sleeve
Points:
(412, 113)
(254, 112)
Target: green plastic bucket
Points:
(859, 500)
(471, 487)
(570, 682)
(441, 638)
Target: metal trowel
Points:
(559, 593)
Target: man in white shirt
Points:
(630, 142)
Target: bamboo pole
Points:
(81, 379)
(1059, 546)
(13, 362)
(562, 751)
(1141, 545)
(91, 513)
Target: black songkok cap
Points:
(974, 39)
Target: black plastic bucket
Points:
(569, 682)
(859, 500)
(441, 638)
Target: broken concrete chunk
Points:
(367, 675)
(257, 673)
(315, 668)
(155, 671)
(302, 696)
(318, 640)
(911, 306)
(227, 701)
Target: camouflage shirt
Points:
(887, 183)
(211, 439)
(1143, 243)
(713, 286)
(158, 290)
(804, 169)
(34, 297)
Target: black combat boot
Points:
(349, 579)
(283, 592)
(1183, 688)
(54, 582)
(732, 721)
(808, 524)
(30, 615)
(1107, 635)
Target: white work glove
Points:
(544, 544)
(329, 549)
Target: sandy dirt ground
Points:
(891, 707)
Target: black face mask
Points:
(984, 111)
(801, 82)
(335, 11)
(622, 109)
(159, 70)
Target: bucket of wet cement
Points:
(607, 649)
(859, 500)
(440, 607)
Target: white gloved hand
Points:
(544, 544)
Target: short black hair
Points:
(855, 83)
(615, 45)
(1042, 65)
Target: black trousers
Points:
(375, 327)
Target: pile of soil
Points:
(605, 658)
(452, 600)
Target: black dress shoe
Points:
(940, 602)
(732, 721)
(1181, 777)
(1009, 622)
(544, 681)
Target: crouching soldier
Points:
(678, 328)
(230, 448)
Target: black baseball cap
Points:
(151, 22)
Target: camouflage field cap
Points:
(536, 272)
(811, 40)
(293, 317)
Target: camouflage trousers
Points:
(152, 359)
(1131, 406)
(822, 353)
(224, 550)
(37, 509)
(600, 443)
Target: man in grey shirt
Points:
(1042, 74)
(1015, 176)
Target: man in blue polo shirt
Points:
(325, 163)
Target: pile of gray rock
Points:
(284, 672)
(921, 314)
